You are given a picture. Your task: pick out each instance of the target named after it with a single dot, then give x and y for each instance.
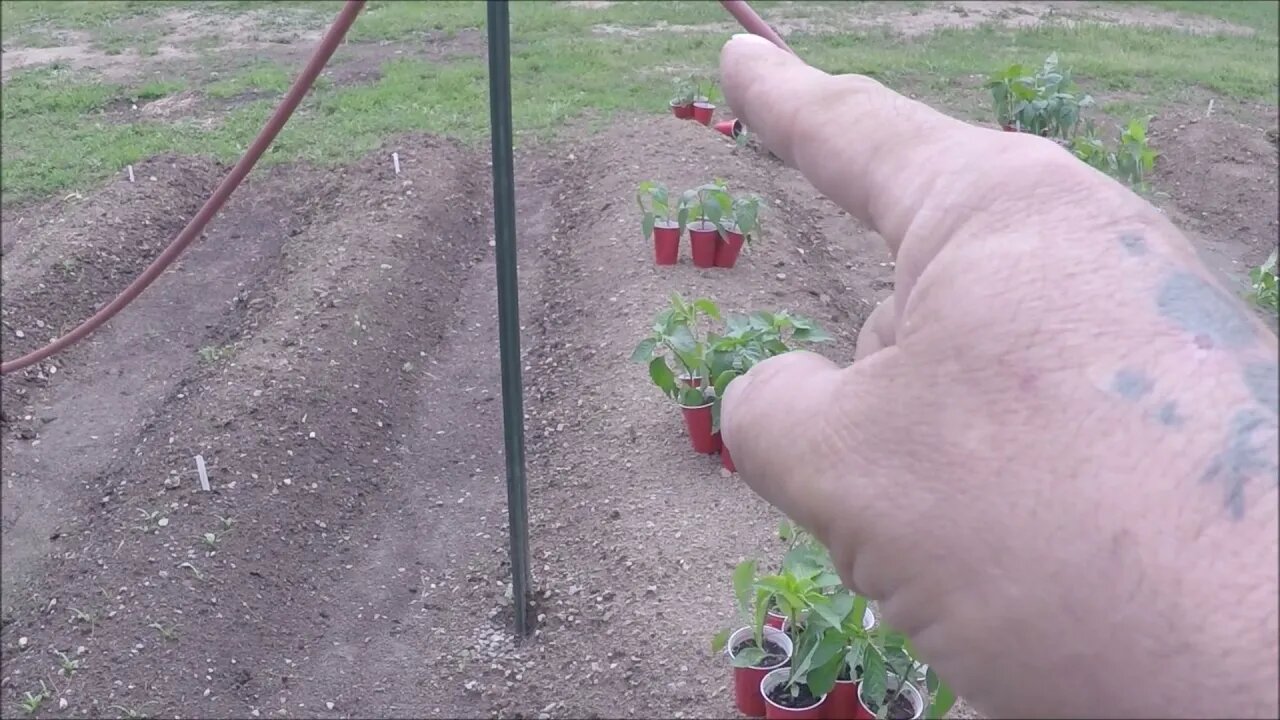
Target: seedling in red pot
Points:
(749, 339)
(704, 104)
(660, 221)
(677, 338)
(800, 585)
(683, 92)
(708, 205)
(741, 225)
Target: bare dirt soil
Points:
(914, 21)
(182, 40)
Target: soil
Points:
(900, 709)
(1215, 175)
(774, 654)
(799, 700)
(280, 35)
(916, 21)
(329, 349)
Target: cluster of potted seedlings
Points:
(813, 650)
(693, 99)
(718, 222)
(693, 364)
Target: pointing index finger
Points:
(869, 149)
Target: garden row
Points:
(809, 648)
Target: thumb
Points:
(814, 440)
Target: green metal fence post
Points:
(504, 225)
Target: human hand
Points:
(1053, 462)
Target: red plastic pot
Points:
(911, 693)
(702, 243)
(726, 461)
(774, 711)
(1008, 128)
(697, 420)
(775, 619)
(702, 112)
(842, 702)
(666, 243)
(729, 128)
(684, 112)
(727, 248)
(746, 680)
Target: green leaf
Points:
(692, 397)
(720, 640)
(748, 657)
(931, 680)
(828, 613)
(682, 340)
(841, 604)
(874, 678)
(723, 380)
(761, 610)
(708, 308)
(827, 580)
(646, 225)
(858, 611)
(644, 351)
(744, 576)
(662, 376)
(943, 699)
(785, 530)
(827, 660)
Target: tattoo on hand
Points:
(1134, 244)
(1250, 454)
(1168, 414)
(1213, 317)
(1131, 384)
(1263, 381)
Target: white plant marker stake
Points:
(395, 160)
(204, 476)
(1209, 112)
(130, 169)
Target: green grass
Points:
(1264, 15)
(55, 136)
(260, 78)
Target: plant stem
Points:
(903, 679)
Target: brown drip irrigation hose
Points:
(328, 44)
(740, 10)
(753, 23)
